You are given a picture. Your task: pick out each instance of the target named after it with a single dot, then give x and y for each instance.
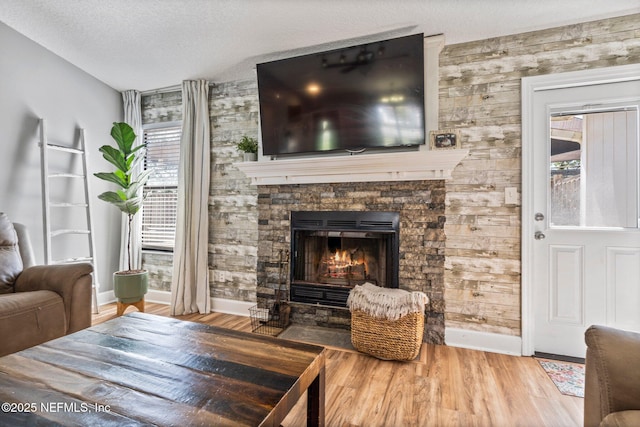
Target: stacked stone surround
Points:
(422, 240)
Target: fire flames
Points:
(341, 258)
(345, 264)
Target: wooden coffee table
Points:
(145, 369)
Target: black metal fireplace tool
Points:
(281, 308)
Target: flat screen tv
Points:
(362, 97)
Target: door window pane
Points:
(594, 169)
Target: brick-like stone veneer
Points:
(421, 206)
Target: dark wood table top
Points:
(142, 369)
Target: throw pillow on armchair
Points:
(10, 261)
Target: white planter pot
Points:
(250, 157)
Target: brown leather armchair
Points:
(38, 303)
(612, 377)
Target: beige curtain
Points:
(190, 282)
(132, 117)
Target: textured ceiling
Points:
(151, 44)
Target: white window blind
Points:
(159, 209)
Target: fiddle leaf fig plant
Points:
(125, 158)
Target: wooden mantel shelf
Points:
(405, 166)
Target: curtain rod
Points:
(174, 88)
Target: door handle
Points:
(538, 216)
(539, 235)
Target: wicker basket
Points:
(387, 339)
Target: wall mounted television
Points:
(369, 96)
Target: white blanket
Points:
(386, 303)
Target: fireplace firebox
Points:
(336, 250)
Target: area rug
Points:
(568, 377)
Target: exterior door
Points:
(583, 230)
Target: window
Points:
(159, 209)
(594, 168)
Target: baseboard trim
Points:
(219, 305)
(158, 297)
(106, 298)
(229, 306)
(485, 341)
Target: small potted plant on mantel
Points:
(131, 285)
(249, 147)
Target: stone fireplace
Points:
(333, 251)
(419, 206)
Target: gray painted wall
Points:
(36, 83)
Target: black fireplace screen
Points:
(334, 251)
(341, 258)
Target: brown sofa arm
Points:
(72, 281)
(612, 374)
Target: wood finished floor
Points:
(445, 386)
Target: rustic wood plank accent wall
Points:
(233, 213)
(480, 95)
